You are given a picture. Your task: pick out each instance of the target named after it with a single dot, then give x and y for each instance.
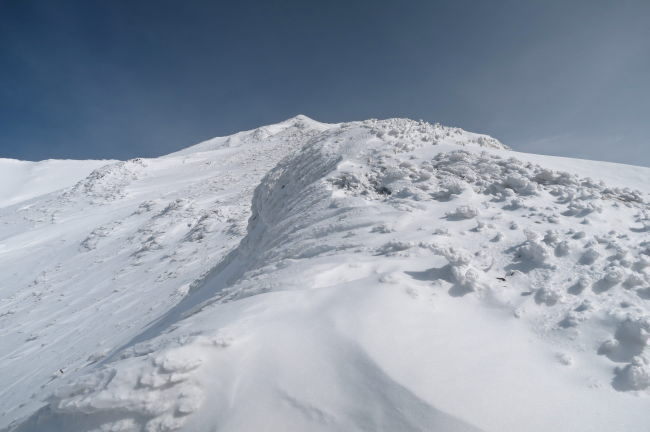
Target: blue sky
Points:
(120, 79)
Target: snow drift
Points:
(375, 275)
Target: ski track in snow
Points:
(375, 275)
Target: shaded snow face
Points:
(376, 275)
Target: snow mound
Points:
(392, 275)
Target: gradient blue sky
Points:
(126, 78)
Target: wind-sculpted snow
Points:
(392, 275)
(107, 183)
(87, 267)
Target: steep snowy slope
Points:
(84, 269)
(377, 275)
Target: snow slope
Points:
(375, 275)
(20, 180)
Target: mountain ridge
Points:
(233, 274)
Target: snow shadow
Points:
(441, 273)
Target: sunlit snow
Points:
(377, 275)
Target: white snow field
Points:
(21, 180)
(382, 275)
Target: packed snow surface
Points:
(379, 275)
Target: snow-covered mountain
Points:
(378, 275)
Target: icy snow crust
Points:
(392, 275)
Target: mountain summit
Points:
(373, 275)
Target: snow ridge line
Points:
(125, 393)
(306, 202)
(279, 205)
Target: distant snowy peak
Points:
(300, 127)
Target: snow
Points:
(375, 275)
(21, 180)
